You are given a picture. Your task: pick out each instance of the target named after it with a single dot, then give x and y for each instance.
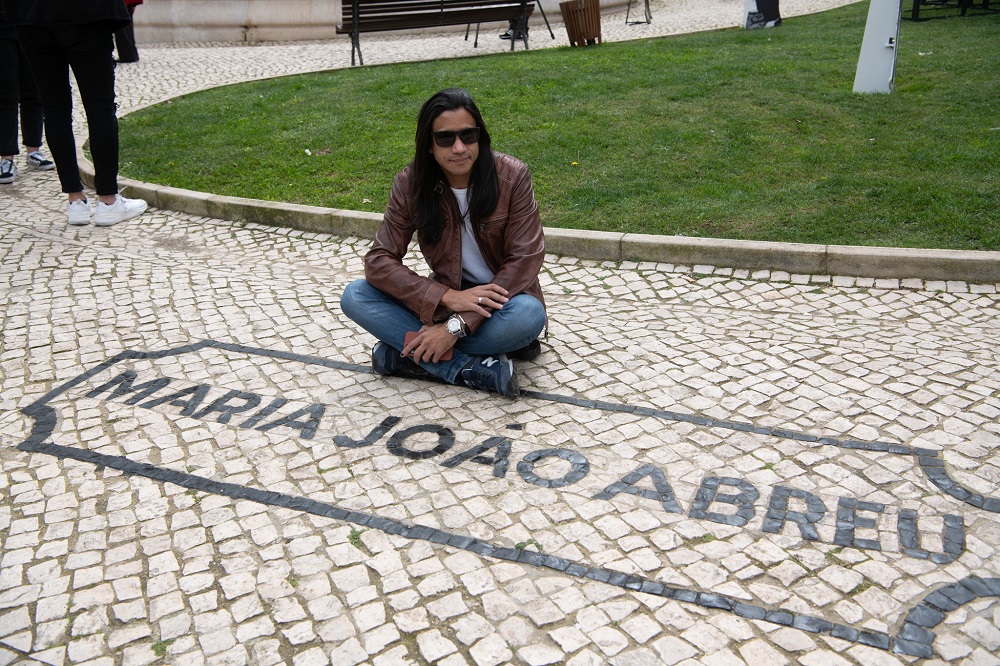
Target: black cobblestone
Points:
(749, 612)
(813, 624)
(912, 648)
(845, 633)
(925, 616)
(684, 595)
(780, 617)
(716, 601)
(958, 593)
(914, 632)
(942, 602)
(874, 639)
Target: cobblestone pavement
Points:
(708, 466)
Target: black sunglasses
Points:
(446, 139)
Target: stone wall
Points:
(162, 21)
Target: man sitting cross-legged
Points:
(478, 228)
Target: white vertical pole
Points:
(877, 63)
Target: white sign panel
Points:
(877, 64)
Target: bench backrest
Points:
(377, 15)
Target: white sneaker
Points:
(35, 160)
(78, 212)
(8, 171)
(122, 209)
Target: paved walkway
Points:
(708, 466)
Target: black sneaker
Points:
(386, 361)
(8, 172)
(507, 35)
(529, 352)
(492, 373)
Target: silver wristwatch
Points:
(455, 325)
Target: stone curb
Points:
(977, 267)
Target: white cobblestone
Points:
(101, 567)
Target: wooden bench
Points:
(963, 5)
(358, 16)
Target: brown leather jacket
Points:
(511, 241)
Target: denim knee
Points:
(529, 313)
(350, 299)
(534, 312)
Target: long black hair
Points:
(426, 186)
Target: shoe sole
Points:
(77, 223)
(48, 167)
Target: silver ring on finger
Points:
(480, 301)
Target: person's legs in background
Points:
(125, 41)
(50, 70)
(32, 118)
(512, 31)
(762, 14)
(9, 86)
(92, 59)
(89, 51)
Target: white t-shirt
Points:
(474, 267)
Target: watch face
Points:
(454, 327)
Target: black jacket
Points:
(67, 12)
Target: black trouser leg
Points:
(125, 40)
(769, 8)
(32, 116)
(9, 94)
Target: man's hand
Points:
(430, 344)
(484, 299)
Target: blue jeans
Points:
(519, 322)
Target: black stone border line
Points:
(915, 637)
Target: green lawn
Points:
(728, 134)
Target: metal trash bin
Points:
(583, 21)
